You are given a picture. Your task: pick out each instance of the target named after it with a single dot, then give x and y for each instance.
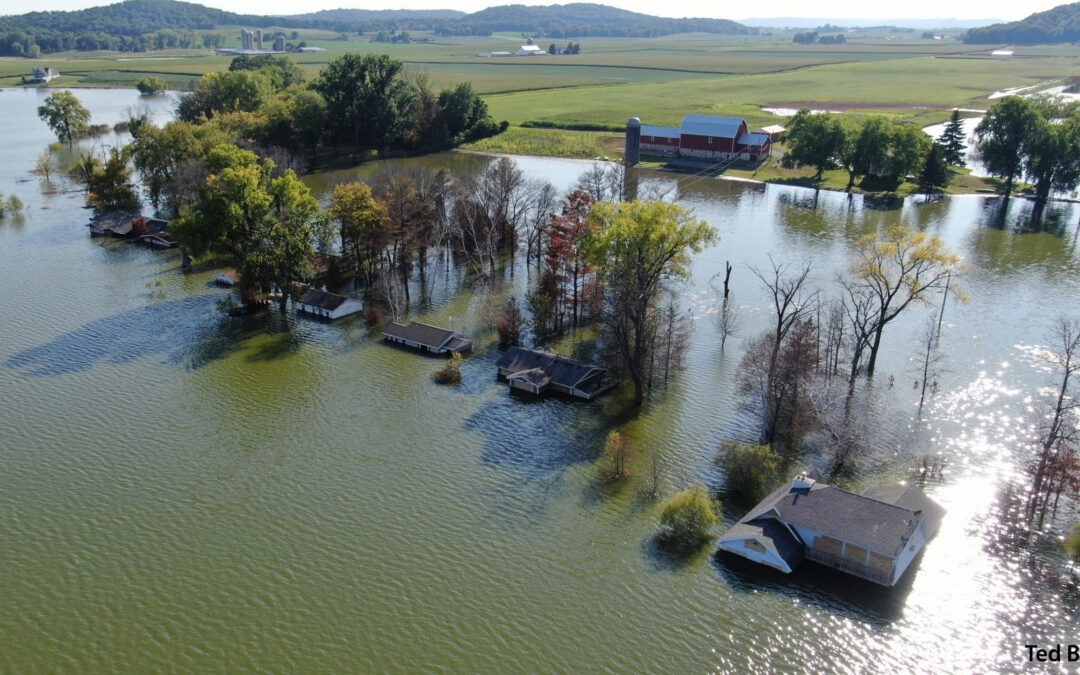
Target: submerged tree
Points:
(891, 273)
(362, 219)
(65, 115)
(637, 247)
(934, 176)
(110, 186)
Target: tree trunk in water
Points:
(872, 363)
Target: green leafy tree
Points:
(687, 517)
(908, 146)
(171, 160)
(265, 224)
(110, 187)
(281, 71)
(65, 115)
(363, 222)
(1052, 160)
(750, 469)
(1004, 138)
(225, 92)
(636, 247)
(952, 140)
(368, 102)
(934, 176)
(871, 148)
(150, 85)
(814, 140)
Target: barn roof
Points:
(772, 534)
(420, 333)
(662, 132)
(754, 140)
(709, 125)
(313, 297)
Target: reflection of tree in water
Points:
(1024, 216)
(1005, 242)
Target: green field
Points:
(659, 80)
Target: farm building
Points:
(327, 305)
(705, 137)
(43, 75)
(425, 338)
(775, 132)
(874, 536)
(114, 223)
(537, 372)
(530, 50)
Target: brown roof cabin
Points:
(537, 372)
(115, 223)
(425, 338)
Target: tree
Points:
(65, 115)
(264, 223)
(952, 140)
(1004, 138)
(552, 49)
(363, 225)
(1052, 159)
(750, 469)
(110, 187)
(511, 325)
(1057, 431)
(1071, 544)
(934, 176)
(171, 161)
(567, 270)
(45, 165)
(150, 85)
(891, 273)
(908, 145)
(813, 140)
(223, 92)
(637, 246)
(368, 102)
(281, 71)
(686, 517)
(871, 148)
(617, 453)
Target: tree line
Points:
(1060, 24)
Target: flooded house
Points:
(538, 372)
(426, 338)
(874, 536)
(327, 305)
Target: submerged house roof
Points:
(542, 368)
(322, 299)
(422, 335)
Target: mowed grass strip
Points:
(547, 143)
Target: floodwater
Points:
(185, 491)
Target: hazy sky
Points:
(915, 9)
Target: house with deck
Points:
(426, 338)
(327, 305)
(873, 536)
(537, 372)
(43, 75)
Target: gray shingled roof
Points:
(421, 333)
(661, 132)
(321, 299)
(857, 519)
(909, 497)
(562, 371)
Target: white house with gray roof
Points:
(874, 536)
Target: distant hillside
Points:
(1060, 24)
(143, 25)
(583, 20)
(918, 24)
(363, 16)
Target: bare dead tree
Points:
(1057, 432)
(931, 366)
(594, 181)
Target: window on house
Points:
(710, 139)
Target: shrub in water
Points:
(686, 517)
(1072, 544)
(616, 456)
(450, 373)
(751, 469)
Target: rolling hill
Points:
(1060, 24)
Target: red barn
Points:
(659, 140)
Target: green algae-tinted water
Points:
(183, 491)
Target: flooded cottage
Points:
(425, 338)
(873, 536)
(537, 372)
